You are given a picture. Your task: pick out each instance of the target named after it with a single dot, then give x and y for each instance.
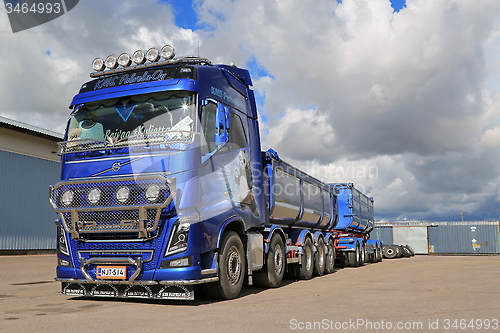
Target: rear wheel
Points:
(231, 269)
(307, 265)
(273, 271)
(379, 252)
(320, 260)
(354, 256)
(363, 255)
(330, 257)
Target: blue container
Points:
(464, 238)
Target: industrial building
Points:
(456, 238)
(28, 165)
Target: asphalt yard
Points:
(419, 294)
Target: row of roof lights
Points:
(138, 57)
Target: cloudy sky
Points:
(401, 99)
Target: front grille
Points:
(107, 218)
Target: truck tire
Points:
(374, 256)
(399, 250)
(379, 253)
(344, 259)
(354, 256)
(320, 258)
(390, 252)
(362, 255)
(406, 252)
(411, 250)
(330, 257)
(272, 273)
(307, 265)
(232, 268)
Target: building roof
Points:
(30, 129)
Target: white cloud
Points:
(348, 86)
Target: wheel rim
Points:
(321, 255)
(233, 265)
(278, 260)
(330, 254)
(308, 258)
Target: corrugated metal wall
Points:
(466, 238)
(26, 218)
(384, 234)
(447, 237)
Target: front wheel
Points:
(273, 271)
(231, 269)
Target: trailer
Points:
(164, 187)
(356, 221)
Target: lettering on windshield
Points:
(118, 80)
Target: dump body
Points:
(355, 209)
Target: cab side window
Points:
(208, 126)
(237, 138)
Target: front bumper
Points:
(167, 289)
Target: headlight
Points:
(153, 55)
(138, 57)
(111, 62)
(94, 196)
(178, 239)
(98, 64)
(152, 193)
(61, 241)
(167, 52)
(124, 60)
(122, 194)
(67, 197)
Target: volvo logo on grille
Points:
(116, 166)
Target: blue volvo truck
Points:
(164, 187)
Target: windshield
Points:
(163, 120)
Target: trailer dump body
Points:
(164, 186)
(355, 209)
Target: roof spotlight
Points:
(153, 55)
(111, 62)
(167, 52)
(139, 57)
(124, 60)
(98, 64)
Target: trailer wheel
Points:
(362, 258)
(330, 257)
(390, 252)
(320, 258)
(307, 265)
(272, 273)
(354, 257)
(374, 256)
(232, 267)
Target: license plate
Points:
(112, 272)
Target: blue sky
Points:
(185, 16)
